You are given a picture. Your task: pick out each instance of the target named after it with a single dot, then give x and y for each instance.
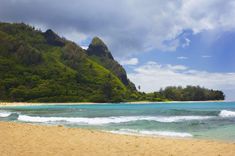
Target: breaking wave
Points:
(152, 133)
(108, 120)
(5, 114)
(226, 113)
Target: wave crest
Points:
(5, 114)
(108, 120)
(152, 133)
(226, 113)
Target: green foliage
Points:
(43, 67)
(96, 41)
(73, 55)
(53, 39)
(100, 53)
(34, 67)
(190, 93)
(28, 55)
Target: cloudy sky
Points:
(159, 42)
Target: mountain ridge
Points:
(38, 66)
(41, 66)
(99, 52)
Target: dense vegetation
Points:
(100, 53)
(37, 66)
(189, 93)
(43, 67)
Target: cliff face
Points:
(100, 53)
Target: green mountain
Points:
(38, 66)
(100, 53)
(43, 67)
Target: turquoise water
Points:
(208, 120)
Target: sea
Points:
(203, 120)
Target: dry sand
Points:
(18, 139)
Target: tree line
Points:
(188, 93)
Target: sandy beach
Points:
(83, 103)
(72, 103)
(31, 103)
(26, 139)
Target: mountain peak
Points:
(53, 39)
(97, 41)
(100, 52)
(49, 31)
(99, 48)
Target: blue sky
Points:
(214, 56)
(204, 52)
(160, 43)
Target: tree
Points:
(107, 91)
(190, 93)
(28, 55)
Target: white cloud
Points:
(84, 47)
(182, 58)
(153, 76)
(206, 56)
(176, 67)
(74, 35)
(135, 25)
(186, 43)
(131, 61)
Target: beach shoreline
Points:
(28, 139)
(2, 104)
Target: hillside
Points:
(100, 53)
(38, 66)
(43, 67)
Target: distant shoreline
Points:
(2, 104)
(42, 103)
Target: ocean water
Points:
(207, 120)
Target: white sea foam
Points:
(178, 118)
(108, 120)
(152, 133)
(226, 113)
(5, 114)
